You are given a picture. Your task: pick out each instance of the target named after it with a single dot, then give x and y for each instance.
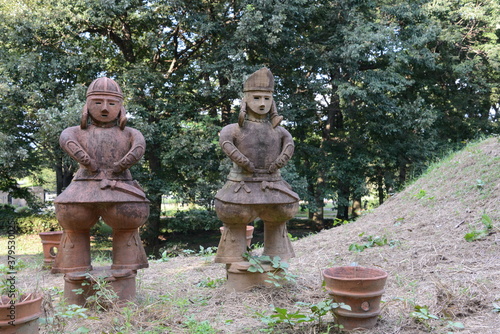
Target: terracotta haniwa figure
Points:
(258, 147)
(103, 186)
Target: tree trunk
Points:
(356, 207)
(402, 173)
(226, 104)
(152, 229)
(64, 176)
(343, 194)
(380, 188)
(318, 215)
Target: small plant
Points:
(210, 283)
(209, 251)
(372, 241)
(280, 268)
(103, 295)
(198, 327)
(474, 234)
(312, 313)
(59, 315)
(165, 256)
(282, 315)
(422, 313)
(322, 308)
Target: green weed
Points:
(198, 327)
(372, 241)
(280, 271)
(474, 234)
(422, 315)
(305, 312)
(211, 283)
(59, 315)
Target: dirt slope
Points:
(433, 265)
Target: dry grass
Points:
(430, 265)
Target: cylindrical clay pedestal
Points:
(81, 285)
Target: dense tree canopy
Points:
(371, 90)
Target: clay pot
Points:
(24, 314)
(249, 234)
(50, 242)
(360, 288)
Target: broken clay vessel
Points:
(359, 287)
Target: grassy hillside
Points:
(421, 235)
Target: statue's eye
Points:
(255, 97)
(266, 98)
(111, 103)
(98, 103)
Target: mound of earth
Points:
(430, 263)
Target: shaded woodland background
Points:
(372, 91)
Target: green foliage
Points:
(192, 220)
(422, 194)
(211, 283)
(305, 313)
(26, 220)
(198, 327)
(58, 315)
(474, 234)
(422, 315)
(102, 296)
(279, 274)
(372, 241)
(37, 223)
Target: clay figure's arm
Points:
(226, 142)
(286, 151)
(137, 149)
(70, 144)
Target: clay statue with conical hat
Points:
(103, 186)
(258, 148)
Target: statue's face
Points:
(259, 102)
(104, 108)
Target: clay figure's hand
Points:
(273, 168)
(249, 166)
(92, 166)
(117, 168)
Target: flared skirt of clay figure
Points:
(236, 217)
(77, 219)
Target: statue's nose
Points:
(104, 107)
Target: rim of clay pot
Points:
(50, 233)
(346, 273)
(23, 299)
